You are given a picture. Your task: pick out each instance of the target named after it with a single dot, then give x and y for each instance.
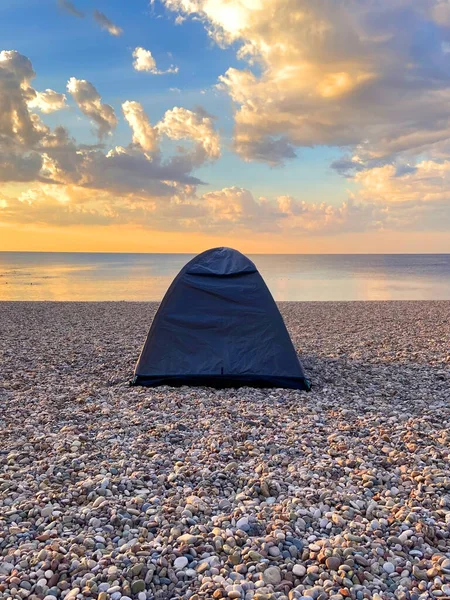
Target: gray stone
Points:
(389, 568)
(299, 570)
(272, 575)
(180, 563)
(187, 539)
(138, 585)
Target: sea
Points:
(70, 276)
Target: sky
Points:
(266, 125)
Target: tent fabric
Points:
(219, 326)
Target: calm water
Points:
(96, 276)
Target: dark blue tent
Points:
(219, 326)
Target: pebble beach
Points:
(113, 492)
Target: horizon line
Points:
(249, 253)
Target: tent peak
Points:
(220, 262)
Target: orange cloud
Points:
(330, 73)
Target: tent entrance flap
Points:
(219, 326)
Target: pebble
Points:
(114, 492)
(389, 567)
(180, 562)
(138, 586)
(299, 570)
(272, 575)
(243, 524)
(187, 539)
(333, 563)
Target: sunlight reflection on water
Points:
(85, 276)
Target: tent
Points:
(219, 326)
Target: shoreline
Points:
(394, 300)
(116, 492)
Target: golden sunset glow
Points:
(288, 126)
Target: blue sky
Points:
(302, 119)
(76, 47)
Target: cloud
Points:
(48, 101)
(235, 208)
(71, 8)
(15, 166)
(268, 149)
(31, 151)
(127, 171)
(180, 123)
(26, 143)
(107, 24)
(440, 12)
(72, 205)
(90, 103)
(143, 133)
(232, 209)
(17, 126)
(19, 65)
(56, 206)
(428, 181)
(347, 165)
(144, 61)
(138, 184)
(332, 73)
(324, 218)
(177, 124)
